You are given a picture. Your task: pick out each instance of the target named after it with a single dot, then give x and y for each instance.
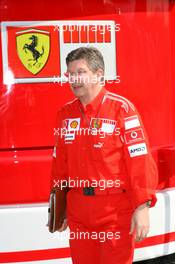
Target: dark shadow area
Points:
(169, 259)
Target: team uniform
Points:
(102, 151)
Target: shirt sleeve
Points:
(140, 165)
(59, 160)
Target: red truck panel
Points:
(145, 64)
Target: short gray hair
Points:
(91, 55)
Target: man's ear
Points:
(100, 76)
(100, 73)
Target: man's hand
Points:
(140, 222)
(64, 226)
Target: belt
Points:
(91, 191)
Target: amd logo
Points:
(137, 150)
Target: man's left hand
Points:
(140, 222)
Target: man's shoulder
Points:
(69, 106)
(119, 101)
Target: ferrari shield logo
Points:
(33, 47)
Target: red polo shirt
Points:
(105, 141)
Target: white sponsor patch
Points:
(69, 136)
(137, 150)
(131, 122)
(107, 128)
(103, 124)
(73, 124)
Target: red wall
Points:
(145, 63)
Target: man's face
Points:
(82, 80)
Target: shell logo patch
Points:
(71, 124)
(74, 124)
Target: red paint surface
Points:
(145, 65)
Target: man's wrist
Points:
(145, 205)
(148, 203)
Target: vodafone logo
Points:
(134, 135)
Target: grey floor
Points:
(170, 259)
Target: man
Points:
(101, 139)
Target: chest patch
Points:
(105, 125)
(71, 124)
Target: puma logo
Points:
(98, 145)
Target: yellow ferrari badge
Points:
(33, 49)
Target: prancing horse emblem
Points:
(33, 48)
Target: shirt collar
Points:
(95, 103)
